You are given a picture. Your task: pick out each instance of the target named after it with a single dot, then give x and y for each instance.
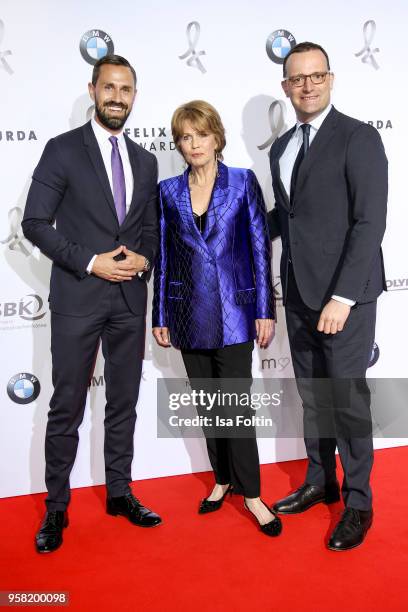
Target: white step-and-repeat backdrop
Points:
(230, 54)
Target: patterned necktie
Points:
(300, 156)
(118, 181)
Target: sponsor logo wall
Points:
(234, 62)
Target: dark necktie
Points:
(300, 156)
(118, 181)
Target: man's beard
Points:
(112, 123)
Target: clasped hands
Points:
(105, 265)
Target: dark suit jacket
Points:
(70, 186)
(334, 225)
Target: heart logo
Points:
(283, 363)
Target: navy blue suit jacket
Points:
(334, 224)
(70, 187)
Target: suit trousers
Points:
(337, 403)
(234, 459)
(74, 345)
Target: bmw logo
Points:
(278, 45)
(375, 354)
(23, 388)
(94, 45)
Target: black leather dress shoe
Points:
(307, 496)
(351, 529)
(49, 538)
(130, 507)
(207, 506)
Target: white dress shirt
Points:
(287, 161)
(102, 136)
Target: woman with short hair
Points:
(213, 288)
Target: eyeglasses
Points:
(317, 78)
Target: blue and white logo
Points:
(23, 388)
(278, 45)
(374, 356)
(94, 45)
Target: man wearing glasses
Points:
(329, 176)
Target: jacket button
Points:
(291, 215)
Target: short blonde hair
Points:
(203, 117)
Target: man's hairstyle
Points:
(113, 60)
(301, 48)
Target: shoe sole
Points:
(208, 511)
(344, 549)
(350, 547)
(135, 524)
(327, 502)
(46, 552)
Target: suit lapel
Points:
(183, 203)
(281, 144)
(317, 148)
(92, 148)
(217, 200)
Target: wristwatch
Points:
(146, 266)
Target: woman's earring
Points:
(216, 158)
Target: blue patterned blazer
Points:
(209, 288)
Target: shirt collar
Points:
(317, 121)
(102, 135)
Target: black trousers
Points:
(340, 408)
(234, 460)
(74, 345)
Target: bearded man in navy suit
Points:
(99, 188)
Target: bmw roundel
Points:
(23, 388)
(374, 356)
(94, 45)
(278, 45)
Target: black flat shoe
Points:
(307, 496)
(130, 507)
(274, 527)
(351, 529)
(207, 506)
(49, 537)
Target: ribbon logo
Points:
(366, 52)
(3, 54)
(276, 115)
(193, 34)
(16, 240)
